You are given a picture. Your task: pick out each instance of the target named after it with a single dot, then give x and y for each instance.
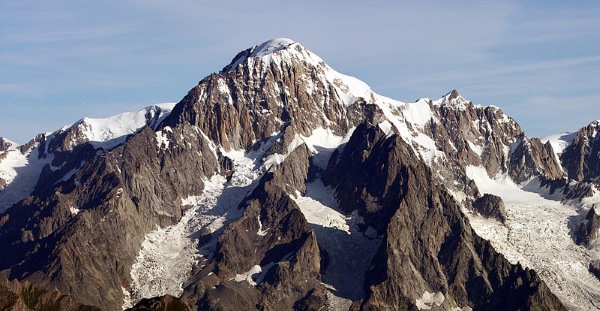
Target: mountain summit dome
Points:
(271, 46)
(264, 50)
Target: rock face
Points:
(96, 200)
(428, 244)
(261, 96)
(17, 296)
(269, 258)
(595, 267)
(529, 158)
(490, 206)
(472, 135)
(589, 230)
(164, 303)
(582, 157)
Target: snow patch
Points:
(428, 300)
(320, 208)
(191, 200)
(162, 141)
(418, 113)
(248, 275)
(73, 210)
(322, 143)
(127, 302)
(386, 127)
(260, 231)
(476, 148)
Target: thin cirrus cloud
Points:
(67, 60)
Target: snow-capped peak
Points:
(453, 99)
(271, 46)
(282, 51)
(111, 131)
(263, 50)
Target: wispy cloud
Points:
(19, 89)
(64, 35)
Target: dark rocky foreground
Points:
(23, 296)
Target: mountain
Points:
(279, 183)
(59, 154)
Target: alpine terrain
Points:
(279, 183)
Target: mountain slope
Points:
(261, 182)
(62, 152)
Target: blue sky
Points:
(539, 61)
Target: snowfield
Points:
(538, 234)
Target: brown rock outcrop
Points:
(163, 303)
(4, 144)
(530, 158)
(582, 157)
(589, 230)
(490, 206)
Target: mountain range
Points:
(279, 183)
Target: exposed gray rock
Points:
(293, 173)
(473, 135)
(579, 190)
(582, 157)
(486, 128)
(589, 230)
(490, 206)
(529, 158)
(5, 144)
